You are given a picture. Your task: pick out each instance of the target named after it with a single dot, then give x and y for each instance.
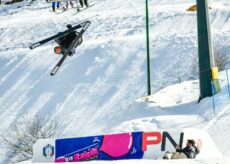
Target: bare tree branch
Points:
(21, 136)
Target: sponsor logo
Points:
(154, 138)
(88, 153)
(91, 154)
(48, 151)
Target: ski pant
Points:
(174, 155)
(85, 2)
(54, 5)
(58, 5)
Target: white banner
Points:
(153, 145)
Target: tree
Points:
(21, 136)
(194, 67)
(221, 59)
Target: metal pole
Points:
(205, 50)
(148, 50)
(213, 98)
(228, 83)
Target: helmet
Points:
(57, 50)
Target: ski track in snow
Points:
(94, 91)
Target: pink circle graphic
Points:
(117, 145)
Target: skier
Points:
(71, 4)
(78, 9)
(53, 6)
(58, 5)
(66, 6)
(66, 41)
(189, 152)
(85, 2)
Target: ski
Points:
(66, 10)
(70, 48)
(84, 9)
(50, 1)
(58, 65)
(58, 35)
(77, 8)
(60, 11)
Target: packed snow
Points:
(102, 88)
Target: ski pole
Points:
(228, 83)
(213, 98)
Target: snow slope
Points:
(95, 90)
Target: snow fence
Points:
(133, 145)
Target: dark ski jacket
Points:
(85, 2)
(189, 151)
(66, 41)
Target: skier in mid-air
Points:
(66, 41)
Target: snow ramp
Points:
(133, 145)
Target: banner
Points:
(133, 145)
(106, 147)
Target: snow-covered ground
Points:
(99, 90)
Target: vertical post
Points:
(205, 49)
(213, 97)
(148, 50)
(228, 83)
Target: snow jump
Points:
(67, 41)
